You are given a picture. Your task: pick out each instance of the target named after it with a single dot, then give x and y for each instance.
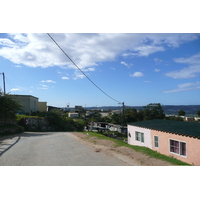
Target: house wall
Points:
(147, 136)
(73, 115)
(29, 103)
(42, 106)
(192, 146)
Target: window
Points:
(139, 136)
(178, 147)
(155, 141)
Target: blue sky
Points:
(134, 68)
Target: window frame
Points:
(139, 136)
(156, 141)
(180, 147)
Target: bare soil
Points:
(123, 153)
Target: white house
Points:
(29, 103)
(73, 115)
(139, 136)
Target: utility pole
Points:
(4, 84)
(123, 112)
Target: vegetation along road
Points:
(54, 149)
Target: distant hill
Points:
(189, 109)
(168, 109)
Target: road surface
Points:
(51, 149)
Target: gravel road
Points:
(51, 149)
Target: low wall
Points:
(10, 130)
(36, 124)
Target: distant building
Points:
(197, 119)
(29, 103)
(104, 114)
(51, 108)
(77, 108)
(116, 112)
(88, 113)
(73, 115)
(42, 106)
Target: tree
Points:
(181, 113)
(198, 113)
(8, 107)
(116, 118)
(153, 111)
(131, 115)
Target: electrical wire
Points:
(81, 70)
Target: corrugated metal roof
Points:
(190, 129)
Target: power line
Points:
(81, 70)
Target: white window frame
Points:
(155, 142)
(179, 154)
(139, 136)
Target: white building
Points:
(29, 103)
(73, 115)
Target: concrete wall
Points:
(42, 106)
(132, 140)
(192, 146)
(29, 103)
(73, 115)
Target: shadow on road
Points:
(5, 146)
(2, 150)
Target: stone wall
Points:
(10, 130)
(36, 124)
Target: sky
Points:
(133, 68)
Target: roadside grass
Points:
(144, 150)
(26, 116)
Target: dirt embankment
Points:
(126, 154)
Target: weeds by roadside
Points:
(144, 150)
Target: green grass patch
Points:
(27, 116)
(144, 150)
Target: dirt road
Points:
(123, 153)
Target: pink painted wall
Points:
(192, 146)
(147, 136)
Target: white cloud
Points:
(193, 60)
(157, 60)
(157, 70)
(146, 50)
(15, 89)
(91, 69)
(6, 42)
(43, 85)
(185, 87)
(78, 75)
(86, 50)
(187, 72)
(18, 66)
(42, 88)
(65, 78)
(48, 81)
(137, 74)
(126, 64)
